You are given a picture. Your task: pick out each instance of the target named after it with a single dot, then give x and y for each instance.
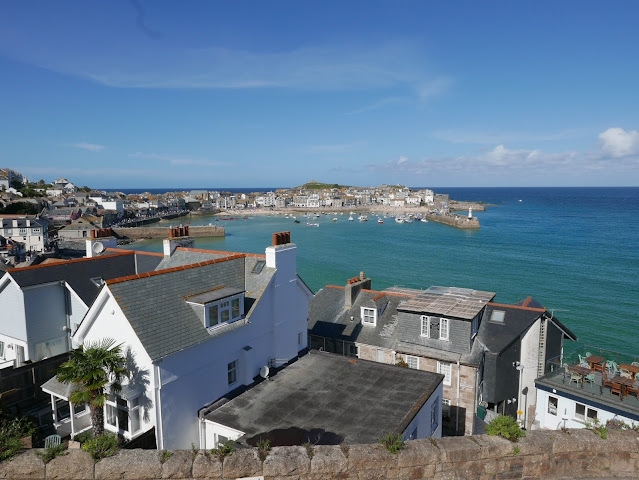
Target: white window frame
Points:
(232, 372)
(379, 356)
(446, 369)
(586, 415)
(2, 349)
(414, 360)
(224, 305)
(130, 409)
(550, 406)
(368, 313)
(444, 321)
(425, 321)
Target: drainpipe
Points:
(458, 387)
(158, 408)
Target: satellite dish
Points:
(264, 372)
(98, 247)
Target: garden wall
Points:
(578, 453)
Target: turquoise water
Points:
(573, 249)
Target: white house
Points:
(41, 305)
(195, 332)
(31, 232)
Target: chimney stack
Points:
(353, 287)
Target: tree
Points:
(91, 368)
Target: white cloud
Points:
(92, 147)
(433, 88)
(617, 142)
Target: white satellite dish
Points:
(98, 247)
(264, 372)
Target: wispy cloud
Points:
(332, 149)
(178, 160)
(91, 147)
(384, 102)
(492, 138)
(433, 88)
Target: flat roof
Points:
(213, 295)
(324, 398)
(455, 302)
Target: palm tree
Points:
(91, 368)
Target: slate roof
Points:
(329, 318)
(517, 320)
(22, 223)
(78, 273)
(452, 302)
(155, 303)
(350, 401)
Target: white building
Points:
(41, 305)
(196, 333)
(31, 232)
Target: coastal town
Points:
(234, 349)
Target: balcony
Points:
(607, 387)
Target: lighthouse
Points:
(470, 212)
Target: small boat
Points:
(296, 221)
(379, 220)
(350, 219)
(399, 220)
(335, 219)
(312, 224)
(362, 218)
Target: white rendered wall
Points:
(46, 315)
(529, 357)
(12, 316)
(107, 321)
(566, 410)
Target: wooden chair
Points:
(615, 389)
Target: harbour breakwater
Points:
(454, 220)
(195, 231)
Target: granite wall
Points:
(575, 454)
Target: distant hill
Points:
(313, 185)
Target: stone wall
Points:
(454, 220)
(195, 231)
(576, 454)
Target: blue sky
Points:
(150, 94)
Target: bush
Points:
(103, 446)
(597, 427)
(51, 452)
(10, 444)
(506, 427)
(264, 446)
(84, 436)
(392, 442)
(224, 450)
(11, 431)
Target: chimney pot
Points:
(92, 233)
(186, 230)
(361, 275)
(274, 239)
(170, 233)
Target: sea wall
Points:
(573, 454)
(458, 221)
(195, 231)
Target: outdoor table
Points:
(583, 371)
(633, 369)
(596, 362)
(624, 382)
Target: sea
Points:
(574, 250)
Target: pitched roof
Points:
(78, 273)
(340, 399)
(517, 319)
(329, 318)
(155, 303)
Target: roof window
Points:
(259, 265)
(497, 316)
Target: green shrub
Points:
(84, 436)
(392, 442)
(10, 444)
(506, 427)
(263, 446)
(51, 452)
(103, 446)
(224, 450)
(598, 428)
(165, 455)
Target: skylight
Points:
(259, 265)
(497, 316)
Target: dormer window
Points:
(219, 306)
(369, 316)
